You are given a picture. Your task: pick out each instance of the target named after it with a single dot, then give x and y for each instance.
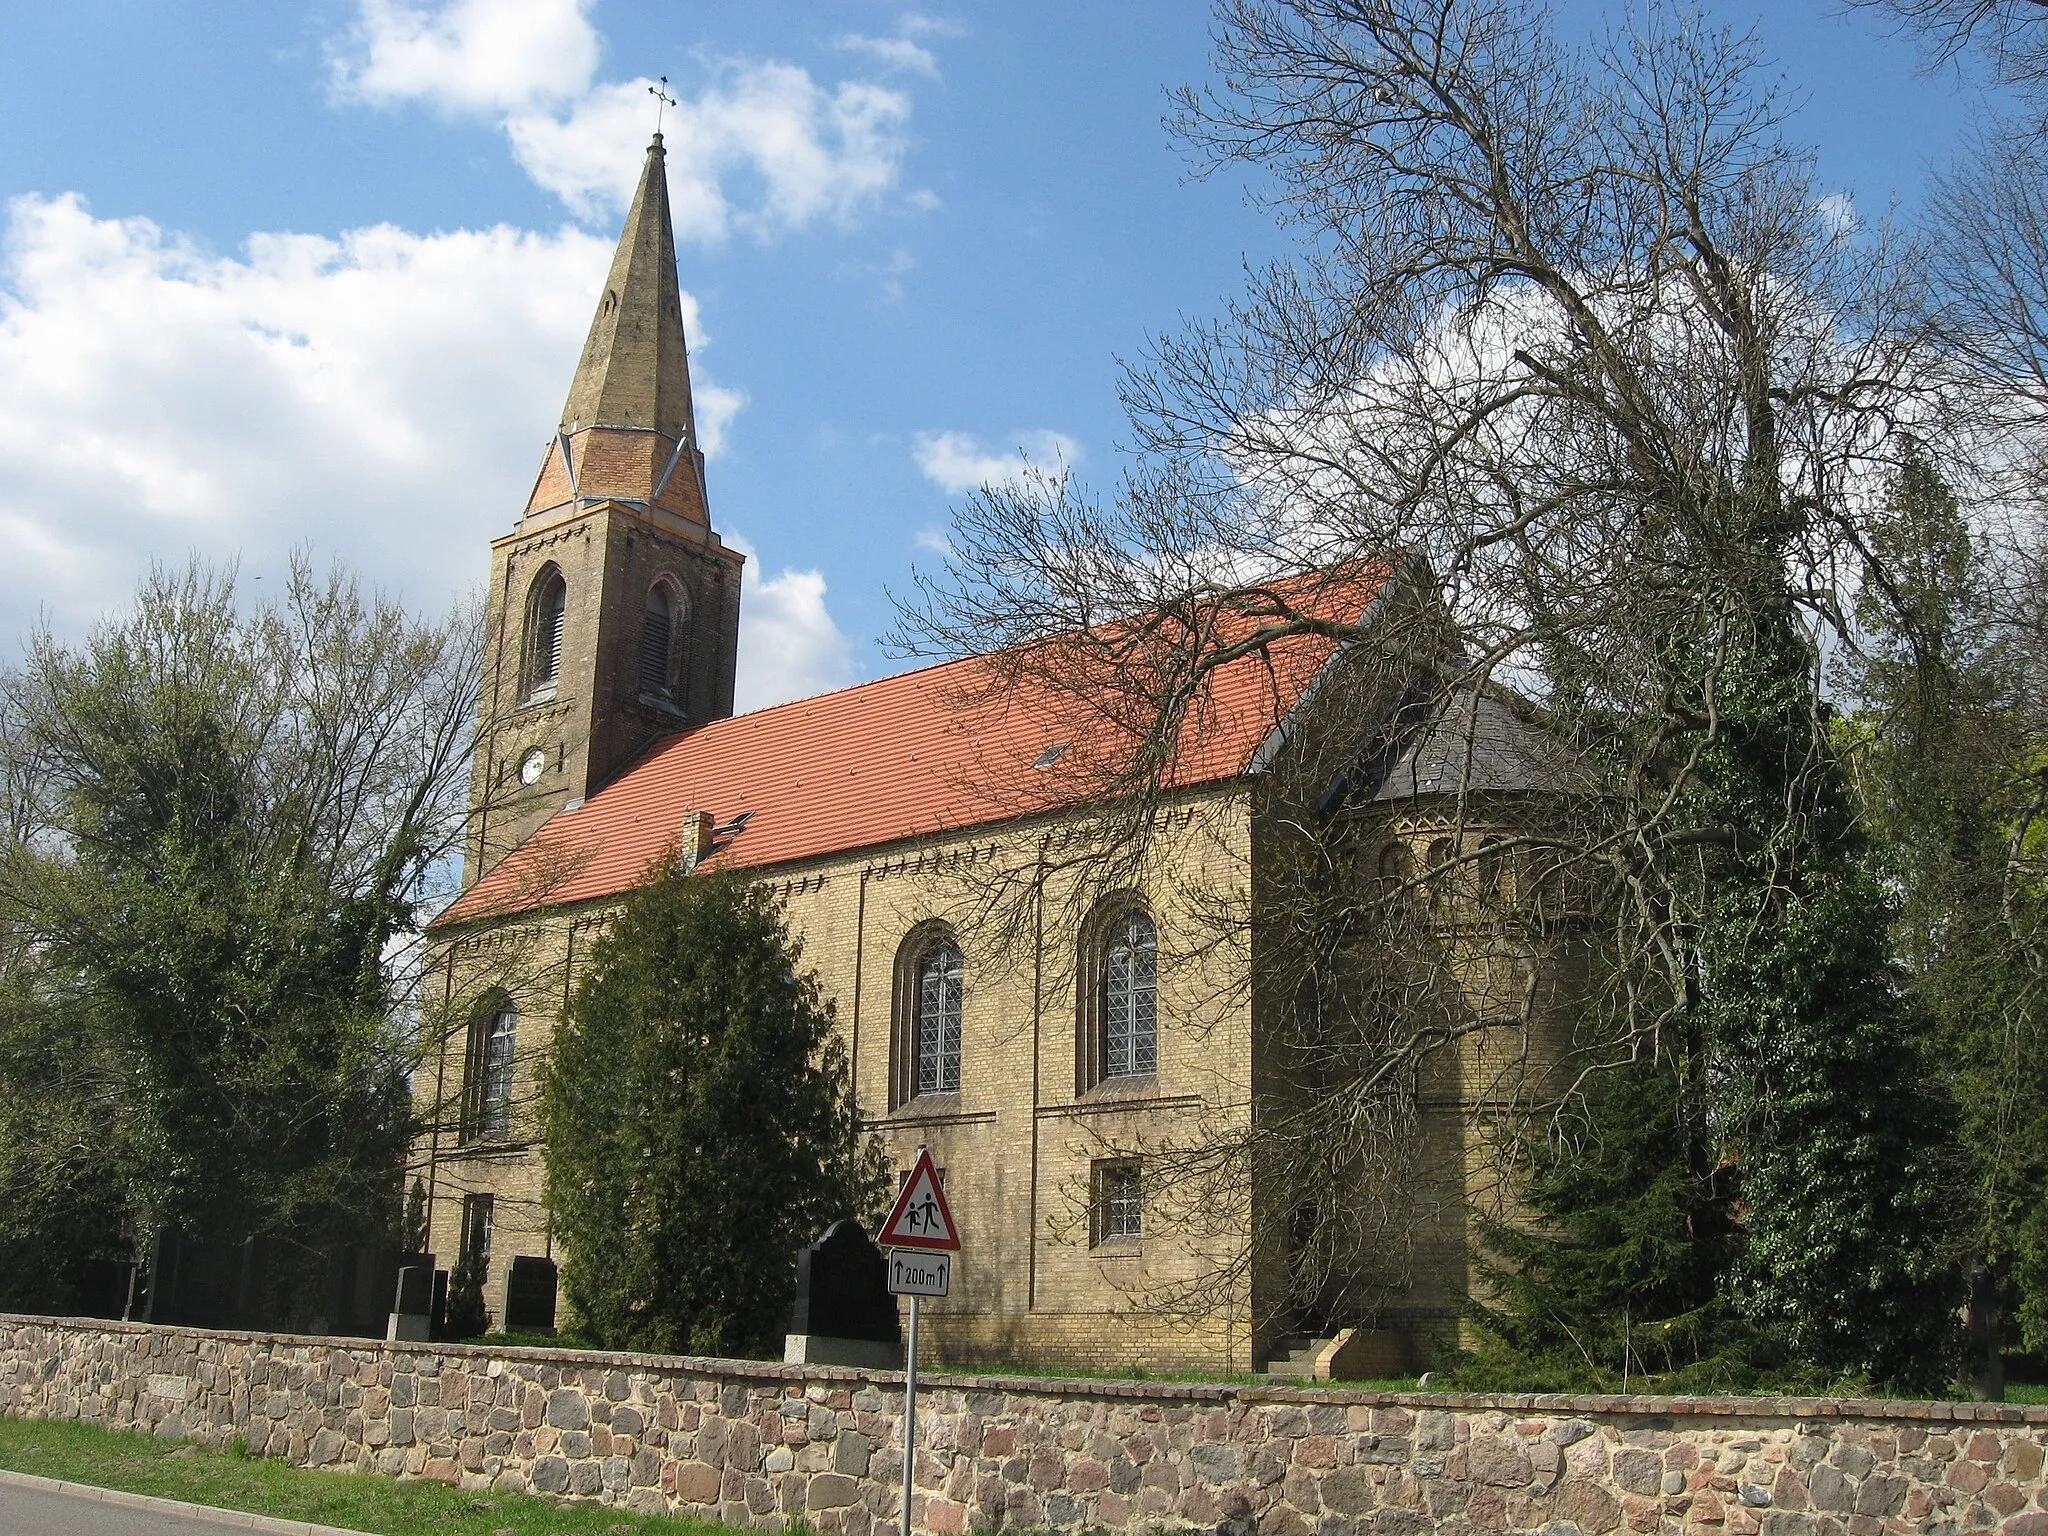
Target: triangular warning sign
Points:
(921, 1218)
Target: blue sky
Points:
(275, 275)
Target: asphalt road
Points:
(32, 1512)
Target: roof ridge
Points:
(866, 682)
(874, 763)
(662, 743)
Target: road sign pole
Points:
(909, 1415)
(920, 1221)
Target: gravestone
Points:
(362, 1288)
(530, 1295)
(412, 1308)
(844, 1314)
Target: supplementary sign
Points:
(921, 1218)
(914, 1272)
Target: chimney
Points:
(695, 841)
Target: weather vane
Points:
(661, 99)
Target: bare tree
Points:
(2011, 35)
(1573, 343)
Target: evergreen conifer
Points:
(700, 1125)
(1615, 1279)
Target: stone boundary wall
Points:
(756, 1443)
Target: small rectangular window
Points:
(1117, 1209)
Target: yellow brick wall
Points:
(1017, 1141)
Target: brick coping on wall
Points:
(1629, 1405)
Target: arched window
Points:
(546, 607)
(1130, 997)
(924, 1050)
(657, 640)
(935, 1023)
(1492, 871)
(487, 1078)
(1396, 869)
(1116, 1018)
(1439, 873)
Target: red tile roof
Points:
(931, 751)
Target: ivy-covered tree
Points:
(1827, 1100)
(1949, 759)
(700, 1124)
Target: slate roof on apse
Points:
(929, 751)
(1475, 742)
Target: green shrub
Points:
(700, 1126)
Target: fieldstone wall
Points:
(755, 1443)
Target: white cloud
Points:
(716, 405)
(789, 646)
(470, 55)
(957, 463)
(893, 53)
(915, 24)
(762, 148)
(1837, 214)
(385, 395)
(803, 152)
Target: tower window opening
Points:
(657, 631)
(546, 613)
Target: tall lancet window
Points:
(487, 1078)
(657, 641)
(1130, 998)
(546, 609)
(939, 978)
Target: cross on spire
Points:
(662, 100)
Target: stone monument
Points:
(844, 1314)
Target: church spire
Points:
(628, 429)
(635, 371)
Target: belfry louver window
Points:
(547, 611)
(657, 630)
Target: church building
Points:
(1033, 1054)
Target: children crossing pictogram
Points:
(921, 1218)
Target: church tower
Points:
(614, 608)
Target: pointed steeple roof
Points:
(628, 430)
(635, 369)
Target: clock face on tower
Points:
(532, 766)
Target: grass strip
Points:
(169, 1469)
